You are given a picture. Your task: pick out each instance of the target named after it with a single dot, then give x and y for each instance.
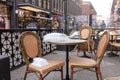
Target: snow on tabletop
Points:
(55, 37)
(39, 62)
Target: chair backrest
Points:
(85, 32)
(102, 45)
(30, 45)
(113, 32)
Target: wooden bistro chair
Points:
(30, 46)
(85, 33)
(113, 42)
(89, 63)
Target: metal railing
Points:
(9, 44)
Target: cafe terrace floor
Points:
(110, 67)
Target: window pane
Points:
(40, 3)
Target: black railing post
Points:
(65, 14)
(15, 15)
(67, 47)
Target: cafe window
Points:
(24, 18)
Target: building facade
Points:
(37, 13)
(115, 13)
(88, 16)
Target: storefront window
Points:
(24, 18)
(4, 22)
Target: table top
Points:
(68, 42)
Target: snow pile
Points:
(39, 62)
(74, 34)
(55, 37)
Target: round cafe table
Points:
(67, 43)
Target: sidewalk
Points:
(110, 67)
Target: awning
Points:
(31, 7)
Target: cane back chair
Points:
(113, 41)
(89, 63)
(85, 33)
(30, 46)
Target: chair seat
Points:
(51, 66)
(113, 78)
(115, 44)
(82, 62)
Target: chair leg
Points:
(78, 52)
(26, 73)
(72, 72)
(84, 53)
(61, 73)
(41, 77)
(119, 57)
(92, 55)
(98, 73)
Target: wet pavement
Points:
(110, 67)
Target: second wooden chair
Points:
(91, 64)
